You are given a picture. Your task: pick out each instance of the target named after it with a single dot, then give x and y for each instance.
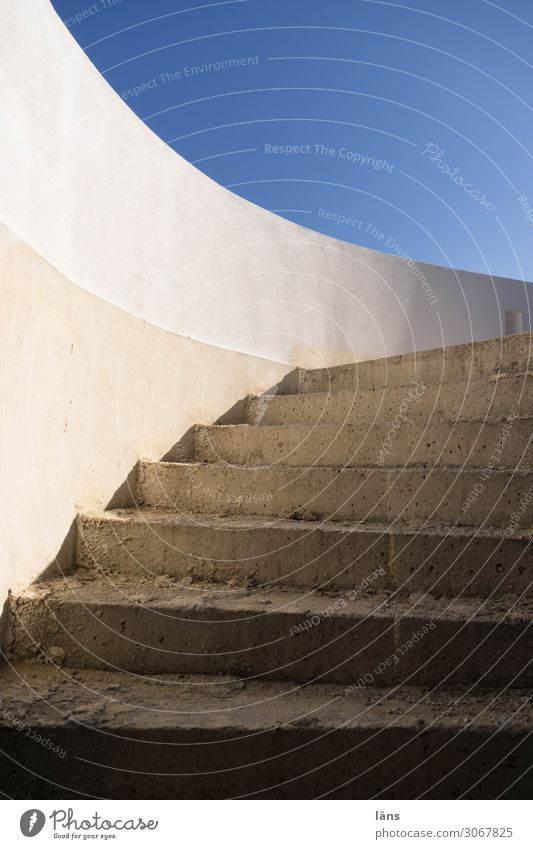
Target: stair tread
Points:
(85, 587)
(500, 471)
(49, 697)
(155, 516)
(485, 358)
(446, 350)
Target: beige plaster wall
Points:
(86, 390)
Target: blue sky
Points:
(404, 127)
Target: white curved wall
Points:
(86, 390)
(86, 184)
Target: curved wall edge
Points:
(86, 391)
(93, 190)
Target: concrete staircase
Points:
(332, 598)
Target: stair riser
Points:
(506, 444)
(295, 558)
(475, 400)
(358, 652)
(411, 495)
(510, 354)
(289, 762)
(262, 557)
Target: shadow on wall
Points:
(87, 389)
(125, 495)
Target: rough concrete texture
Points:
(476, 398)
(194, 737)
(288, 554)
(310, 606)
(501, 356)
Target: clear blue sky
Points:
(405, 127)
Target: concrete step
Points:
(439, 365)
(114, 735)
(98, 622)
(466, 399)
(359, 559)
(502, 443)
(413, 495)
